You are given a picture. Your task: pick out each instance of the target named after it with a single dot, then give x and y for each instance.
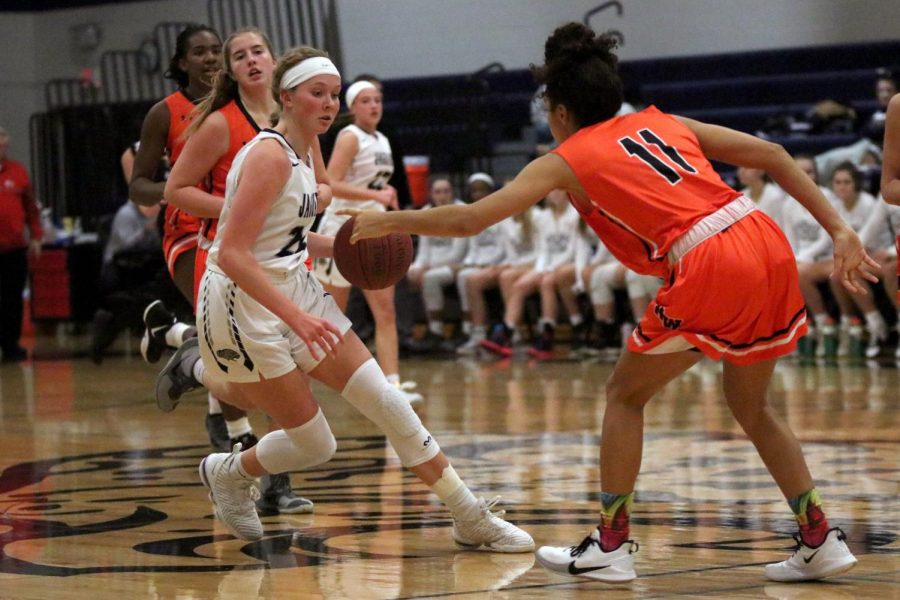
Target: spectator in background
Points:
(437, 261)
(885, 89)
(767, 196)
(865, 154)
(487, 249)
(854, 206)
(131, 261)
(18, 208)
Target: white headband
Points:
(354, 90)
(482, 177)
(307, 69)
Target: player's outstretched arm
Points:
(851, 263)
(532, 184)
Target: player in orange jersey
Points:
(197, 58)
(644, 184)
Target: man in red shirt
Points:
(18, 207)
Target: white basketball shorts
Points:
(242, 341)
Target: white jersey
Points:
(808, 239)
(281, 245)
(436, 251)
(371, 168)
(771, 202)
(856, 217)
(486, 249)
(556, 239)
(519, 249)
(881, 227)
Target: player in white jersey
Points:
(266, 323)
(359, 168)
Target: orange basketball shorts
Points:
(734, 296)
(179, 235)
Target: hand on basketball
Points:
(368, 224)
(851, 262)
(316, 332)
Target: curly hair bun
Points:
(574, 42)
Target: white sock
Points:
(436, 327)
(467, 327)
(820, 319)
(875, 323)
(238, 427)
(175, 334)
(393, 378)
(199, 372)
(214, 407)
(454, 493)
(542, 321)
(237, 470)
(478, 332)
(576, 320)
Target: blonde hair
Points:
(224, 88)
(292, 57)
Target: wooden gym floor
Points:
(100, 497)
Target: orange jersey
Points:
(648, 182)
(180, 109)
(241, 129)
(180, 228)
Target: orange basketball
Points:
(375, 263)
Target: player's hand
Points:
(852, 265)
(368, 224)
(317, 334)
(324, 194)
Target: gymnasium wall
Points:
(407, 38)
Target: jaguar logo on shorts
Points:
(667, 321)
(228, 354)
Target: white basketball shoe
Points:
(233, 496)
(488, 531)
(588, 559)
(831, 557)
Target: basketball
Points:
(375, 263)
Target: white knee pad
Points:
(297, 448)
(369, 391)
(462, 277)
(601, 283)
(433, 283)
